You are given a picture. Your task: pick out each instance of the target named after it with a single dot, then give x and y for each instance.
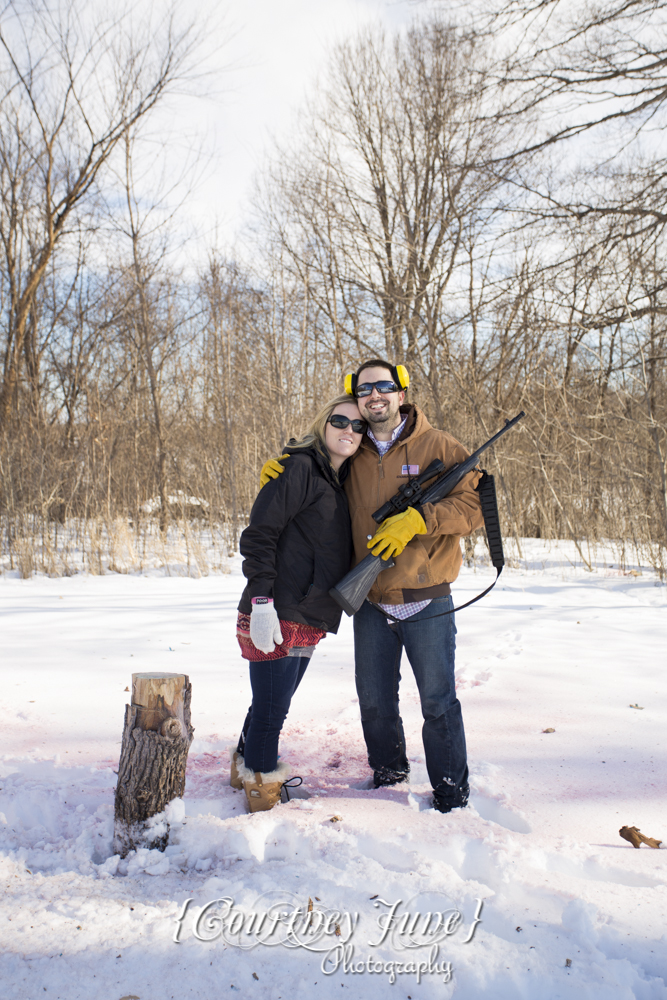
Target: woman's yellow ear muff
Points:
(350, 381)
(402, 376)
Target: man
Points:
(415, 592)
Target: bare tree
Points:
(409, 216)
(384, 204)
(73, 84)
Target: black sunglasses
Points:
(366, 388)
(339, 421)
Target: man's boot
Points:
(460, 801)
(386, 776)
(263, 790)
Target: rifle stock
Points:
(351, 592)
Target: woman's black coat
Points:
(299, 543)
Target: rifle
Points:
(351, 592)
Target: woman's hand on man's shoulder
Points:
(271, 470)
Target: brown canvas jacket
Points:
(429, 562)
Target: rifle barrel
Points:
(508, 426)
(445, 484)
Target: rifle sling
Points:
(487, 496)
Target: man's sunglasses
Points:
(339, 421)
(366, 388)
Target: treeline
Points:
(482, 201)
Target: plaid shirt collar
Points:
(384, 446)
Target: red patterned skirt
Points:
(295, 635)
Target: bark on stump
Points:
(154, 753)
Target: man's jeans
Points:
(273, 683)
(429, 645)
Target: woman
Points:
(296, 547)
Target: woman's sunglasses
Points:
(366, 388)
(339, 421)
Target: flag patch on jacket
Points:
(409, 470)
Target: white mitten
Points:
(264, 625)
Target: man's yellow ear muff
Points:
(350, 383)
(402, 376)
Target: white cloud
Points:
(270, 52)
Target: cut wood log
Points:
(154, 753)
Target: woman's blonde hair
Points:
(314, 436)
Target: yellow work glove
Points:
(271, 470)
(394, 534)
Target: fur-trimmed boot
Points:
(263, 790)
(235, 759)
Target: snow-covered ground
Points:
(569, 909)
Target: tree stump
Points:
(154, 753)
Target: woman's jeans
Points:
(429, 645)
(273, 683)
